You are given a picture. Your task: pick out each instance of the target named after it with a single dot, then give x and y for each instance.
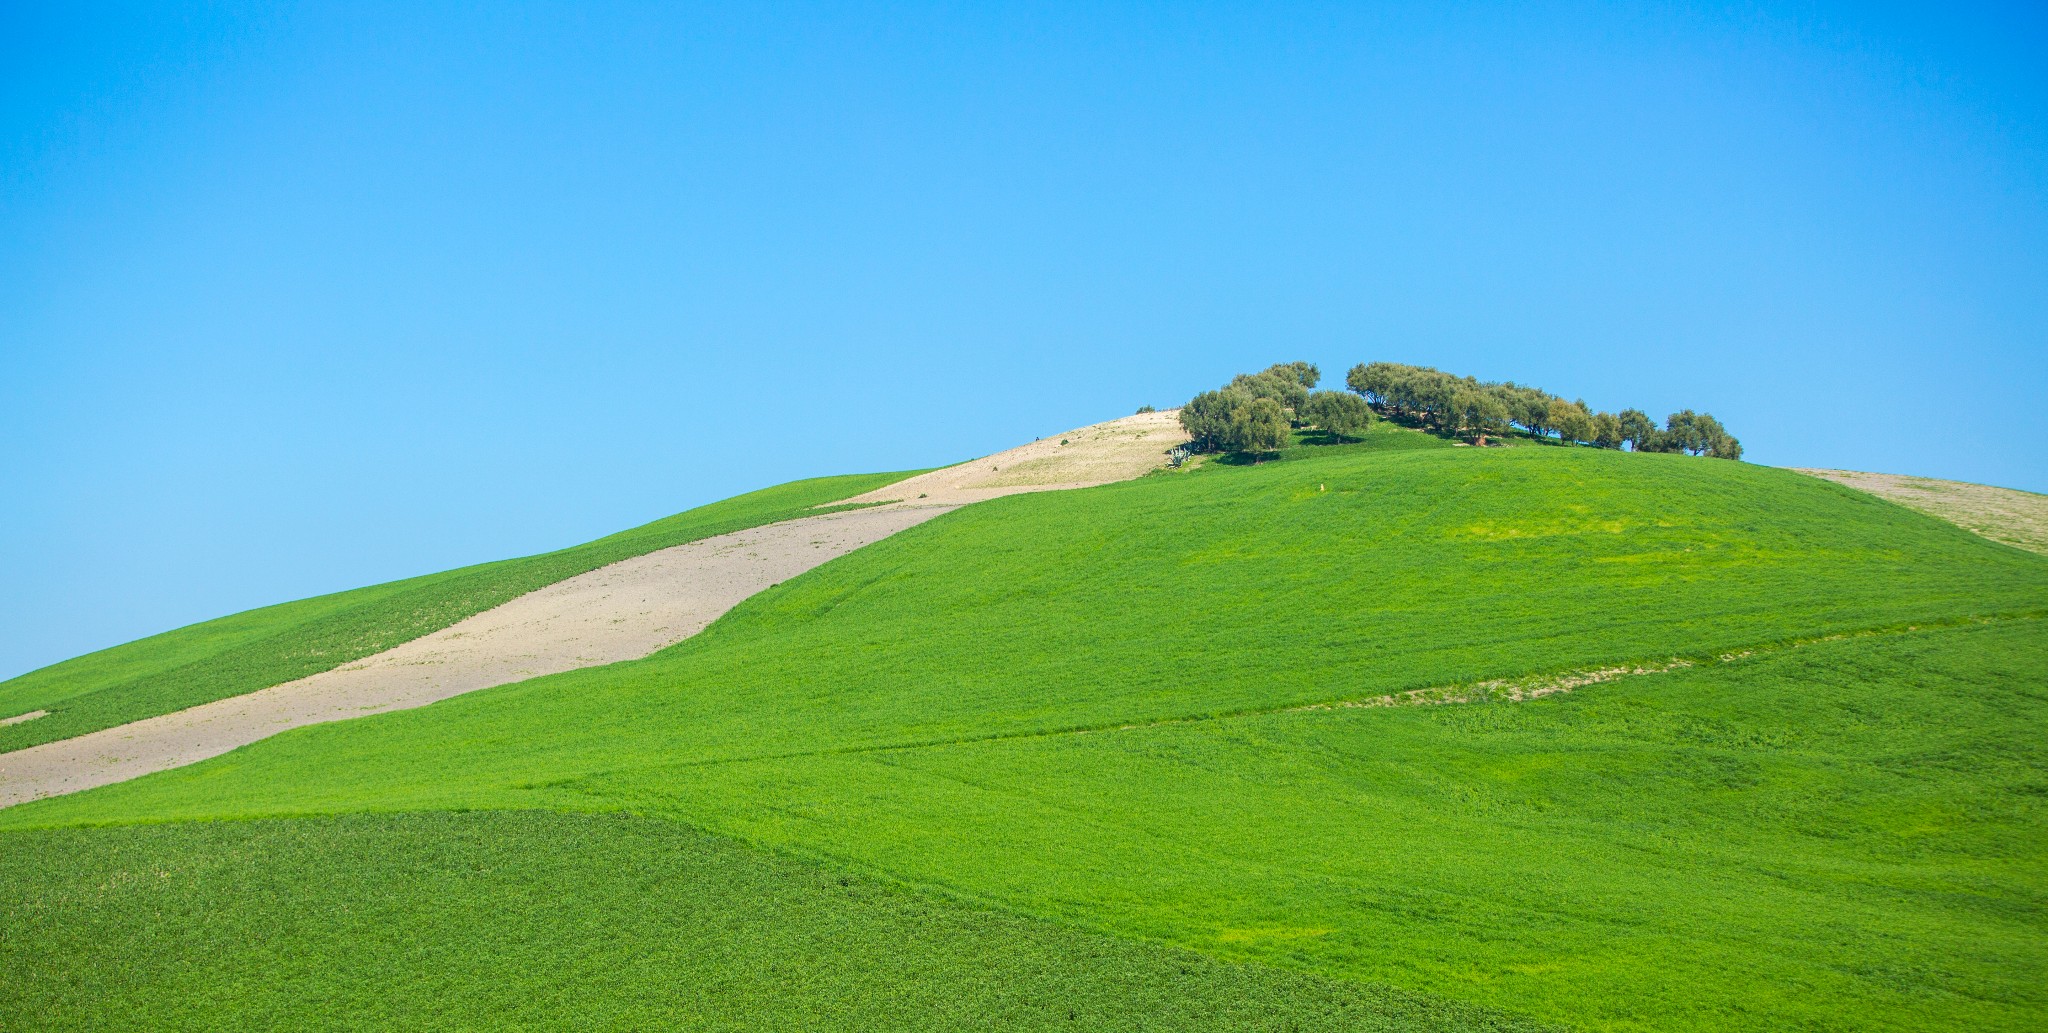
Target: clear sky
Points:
(295, 299)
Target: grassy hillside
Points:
(559, 921)
(276, 644)
(1085, 706)
(1844, 836)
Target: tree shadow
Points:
(1245, 458)
(1323, 437)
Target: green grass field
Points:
(593, 922)
(276, 644)
(1117, 710)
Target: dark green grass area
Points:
(276, 644)
(1381, 436)
(540, 921)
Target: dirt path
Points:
(621, 612)
(2017, 518)
(1097, 454)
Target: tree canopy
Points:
(1206, 417)
(1463, 406)
(1257, 426)
(1699, 434)
(1337, 412)
(1227, 420)
(1455, 406)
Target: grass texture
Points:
(546, 921)
(276, 644)
(1120, 709)
(1847, 835)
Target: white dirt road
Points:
(1099, 454)
(621, 612)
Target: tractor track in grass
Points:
(1497, 690)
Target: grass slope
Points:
(1849, 835)
(1222, 591)
(276, 644)
(1841, 835)
(560, 921)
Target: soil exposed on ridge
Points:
(1117, 450)
(2016, 518)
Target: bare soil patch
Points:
(1096, 454)
(620, 612)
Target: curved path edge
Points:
(621, 612)
(624, 611)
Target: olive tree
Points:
(1304, 373)
(1700, 434)
(1258, 425)
(1206, 417)
(1335, 412)
(1637, 429)
(1606, 430)
(1477, 413)
(1278, 384)
(1570, 419)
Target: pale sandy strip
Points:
(620, 612)
(1100, 453)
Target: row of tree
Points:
(1255, 411)
(1462, 406)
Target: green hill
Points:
(1147, 710)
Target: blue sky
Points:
(294, 299)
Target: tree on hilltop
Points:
(1606, 430)
(1371, 380)
(1529, 407)
(1700, 434)
(1490, 414)
(1477, 413)
(1638, 430)
(1304, 373)
(1278, 383)
(1258, 425)
(1338, 413)
(1570, 419)
(1452, 405)
(1206, 417)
